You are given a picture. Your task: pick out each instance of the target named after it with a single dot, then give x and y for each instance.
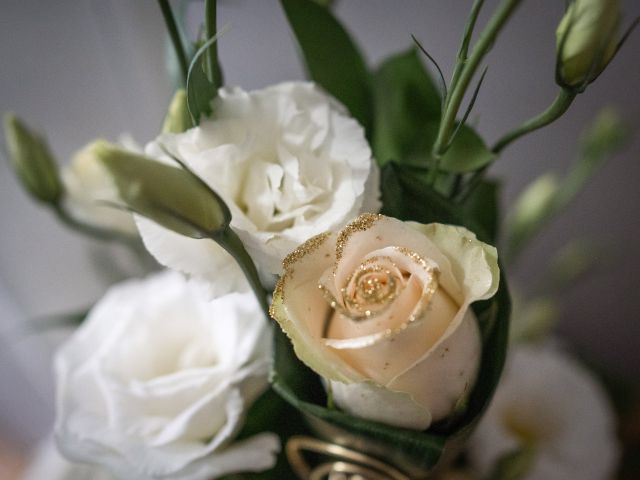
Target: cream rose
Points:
(87, 184)
(157, 381)
(288, 161)
(381, 311)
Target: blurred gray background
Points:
(82, 69)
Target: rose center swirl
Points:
(371, 289)
(378, 281)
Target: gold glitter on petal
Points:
(303, 250)
(278, 295)
(360, 224)
(308, 247)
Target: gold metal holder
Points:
(341, 464)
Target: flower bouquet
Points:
(333, 301)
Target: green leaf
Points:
(406, 195)
(405, 100)
(331, 57)
(203, 82)
(493, 317)
(172, 197)
(483, 206)
(32, 161)
(467, 153)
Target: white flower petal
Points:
(288, 162)
(547, 398)
(157, 381)
(202, 258)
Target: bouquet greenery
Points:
(333, 302)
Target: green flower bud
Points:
(32, 161)
(178, 118)
(531, 209)
(587, 39)
(604, 136)
(172, 197)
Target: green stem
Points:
(457, 92)
(555, 110)
(228, 240)
(210, 25)
(464, 46)
(176, 39)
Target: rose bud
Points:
(587, 39)
(381, 311)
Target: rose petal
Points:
(300, 308)
(445, 373)
(375, 232)
(387, 356)
(473, 263)
(380, 404)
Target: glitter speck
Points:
(362, 223)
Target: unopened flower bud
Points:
(532, 207)
(587, 39)
(172, 197)
(177, 119)
(32, 161)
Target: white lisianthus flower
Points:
(288, 161)
(546, 401)
(88, 185)
(47, 463)
(381, 310)
(157, 381)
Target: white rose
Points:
(288, 161)
(381, 310)
(158, 379)
(87, 184)
(548, 402)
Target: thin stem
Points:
(555, 110)
(228, 240)
(464, 46)
(457, 91)
(176, 38)
(210, 25)
(89, 230)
